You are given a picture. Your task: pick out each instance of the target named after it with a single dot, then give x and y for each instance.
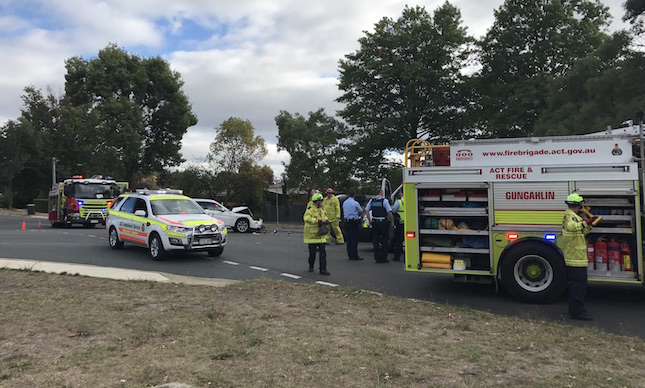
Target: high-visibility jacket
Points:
(400, 211)
(574, 230)
(332, 207)
(311, 217)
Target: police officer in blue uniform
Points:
(381, 220)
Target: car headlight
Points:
(178, 229)
(222, 227)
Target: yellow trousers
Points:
(337, 232)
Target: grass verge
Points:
(73, 331)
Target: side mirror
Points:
(140, 213)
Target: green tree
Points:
(318, 150)
(531, 43)
(600, 90)
(19, 144)
(634, 10)
(141, 110)
(233, 159)
(405, 82)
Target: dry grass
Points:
(72, 331)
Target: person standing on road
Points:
(352, 212)
(314, 217)
(332, 208)
(381, 221)
(399, 218)
(574, 229)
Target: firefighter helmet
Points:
(317, 197)
(330, 191)
(574, 199)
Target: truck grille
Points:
(92, 210)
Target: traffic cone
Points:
(40, 225)
(23, 226)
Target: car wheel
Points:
(113, 239)
(533, 272)
(242, 225)
(157, 251)
(216, 252)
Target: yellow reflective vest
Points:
(311, 217)
(574, 230)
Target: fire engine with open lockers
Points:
(492, 210)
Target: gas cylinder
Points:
(626, 254)
(600, 249)
(613, 255)
(591, 257)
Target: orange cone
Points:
(40, 225)
(23, 226)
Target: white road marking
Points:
(291, 276)
(326, 284)
(91, 235)
(259, 268)
(230, 262)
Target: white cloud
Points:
(244, 58)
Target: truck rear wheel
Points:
(533, 272)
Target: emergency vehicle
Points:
(82, 201)
(492, 210)
(164, 221)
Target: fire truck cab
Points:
(82, 201)
(492, 210)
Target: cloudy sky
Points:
(238, 58)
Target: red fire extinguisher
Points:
(626, 254)
(600, 248)
(613, 255)
(591, 256)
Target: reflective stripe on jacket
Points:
(311, 217)
(332, 207)
(574, 230)
(400, 211)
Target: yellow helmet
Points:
(574, 199)
(317, 197)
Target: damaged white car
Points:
(240, 218)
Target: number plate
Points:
(205, 241)
(94, 221)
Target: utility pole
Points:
(54, 171)
(278, 186)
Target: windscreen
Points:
(94, 191)
(175, 206)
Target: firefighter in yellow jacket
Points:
(332, 208)
(574, 229)
(315, 217)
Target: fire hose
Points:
(586, 210)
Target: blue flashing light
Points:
(550, 237)
(80, 202)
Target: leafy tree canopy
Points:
(140, 111)
(405, 82)
(233, 161)
(318, 151)
(531, 43)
